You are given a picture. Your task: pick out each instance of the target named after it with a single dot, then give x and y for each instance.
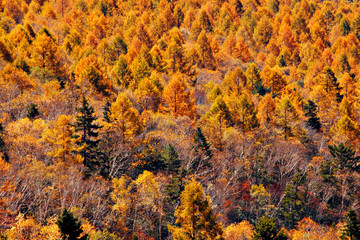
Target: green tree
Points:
(253, 76)
(356, 26)
(344, 26)
(344, 157)
(5, 53)
(293, 205)
(171, 159)
(311, 112)
(244, 113)
(33, 111)
(203, 153)
(266, 229)
(352, 227)
(331, 83)
(86, 126)
(70, 227)
(106, 111)
(122, 72)
(195, 216)
(3, 148)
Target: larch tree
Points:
(122, 73)
(253, 76)
(177, 61)
(90, 74)
(59, 138)
(235, 83)
(125, 119)
(346, 129)
(286, 115)
(218, 118)
(195, 216)
(266, 110)
(149, 92)
(273, 79)
(244, 113)
(263, 31)
(207, 58)
(178, 99)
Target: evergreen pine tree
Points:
(352, 227)
(293, 205)
(70, 227)
(171, 159)
(33, 111)
(344, 157)
(311, 112)
(88, 129)
(202, 150)
(106, 111)
(3, 148)
(5, 53)
(266, 229)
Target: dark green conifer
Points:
(5, 53)
(70, 227)
(352, 227)
(89, 136)
(171, 159)
(33, 111)
(202, 150)
(311, 112)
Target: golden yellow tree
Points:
(125, 119)
(178, 99)
(195, 216)
(62, 144)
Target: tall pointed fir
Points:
(89, 141)
(311, 112)
(352, 227)
(70, 227)
(203, 153)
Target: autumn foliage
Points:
(186, 119)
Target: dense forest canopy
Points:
(188, 119)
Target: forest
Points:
(179, 119)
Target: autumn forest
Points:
(184, 119)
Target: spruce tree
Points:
(106, 112)
(33, 111)
(203, 153)
(344, 157)
(89, 136)
(266, 229)
(171, 159)
(311, 112)
(352, 227)
(3, 148)
(293, 205)
(70, 227)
